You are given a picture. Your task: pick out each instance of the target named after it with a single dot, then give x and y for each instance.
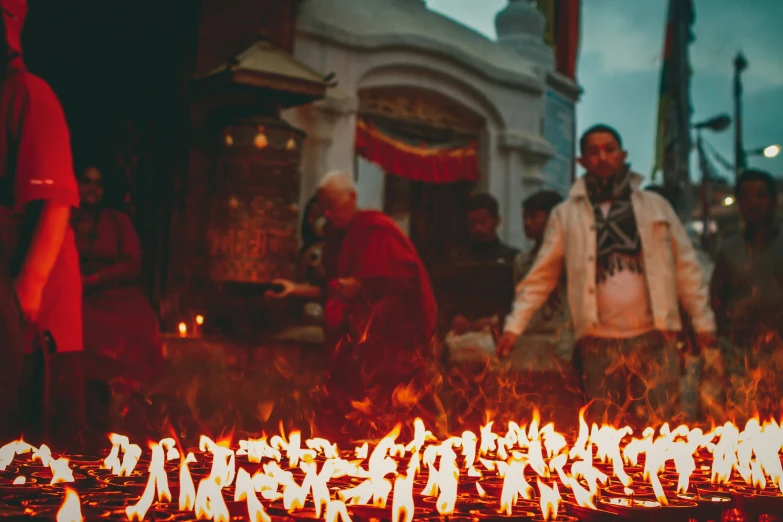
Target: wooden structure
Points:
(239, 226)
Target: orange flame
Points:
(550, 500)
(61, 472)
(71, 509)
(210, 504)
(157, 481)
(583, 497)
(44, 454)
(187, 491)
(448, 479)
(245, 490)
(402, 501)
(514, 483)
(335, 510)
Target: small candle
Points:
(183, 330)
(199, 322)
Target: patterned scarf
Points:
(618, 246)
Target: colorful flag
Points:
(562, 32)
(673, 138)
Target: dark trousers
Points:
(50, 403)
(631, 381)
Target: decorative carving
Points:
(420, 106)
(252, 234)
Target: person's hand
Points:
(506, 343)
(460, 324)
(350, 288)
(29, 292)
(287, 289)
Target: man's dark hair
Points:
(483, 202)
(542, 201)
(758, 175)
(599, 128)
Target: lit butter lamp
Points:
(195, 328)
(712, 506)
(647, 510)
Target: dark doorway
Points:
(122, 72)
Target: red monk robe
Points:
(380, 338)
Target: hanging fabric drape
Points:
(430, 165)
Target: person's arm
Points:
(127, 267)
(537, 285)
(691, 284)
(44, 185)
(44, 248)
(533, 291)
(293, 289)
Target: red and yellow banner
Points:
(563, 32)
(430, 165)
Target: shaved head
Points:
(337, 194)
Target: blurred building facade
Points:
(410, 84)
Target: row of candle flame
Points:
(752, 453)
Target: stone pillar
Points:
(330, 125)
(524, 155)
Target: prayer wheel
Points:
(252, 232)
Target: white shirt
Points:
(623, 301)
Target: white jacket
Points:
(671, 266)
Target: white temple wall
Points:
(511, 151)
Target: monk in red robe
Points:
(380, 315)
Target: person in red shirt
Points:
(37, 192)
(380, 315)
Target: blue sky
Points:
(619, 67)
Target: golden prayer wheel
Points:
(252, 233)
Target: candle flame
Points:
(71, 508)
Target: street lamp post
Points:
(715, 124)
(740, 64)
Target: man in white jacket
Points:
(628, 264)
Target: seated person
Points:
(121, 341)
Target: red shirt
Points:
(36, 165)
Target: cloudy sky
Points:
(619, 66)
